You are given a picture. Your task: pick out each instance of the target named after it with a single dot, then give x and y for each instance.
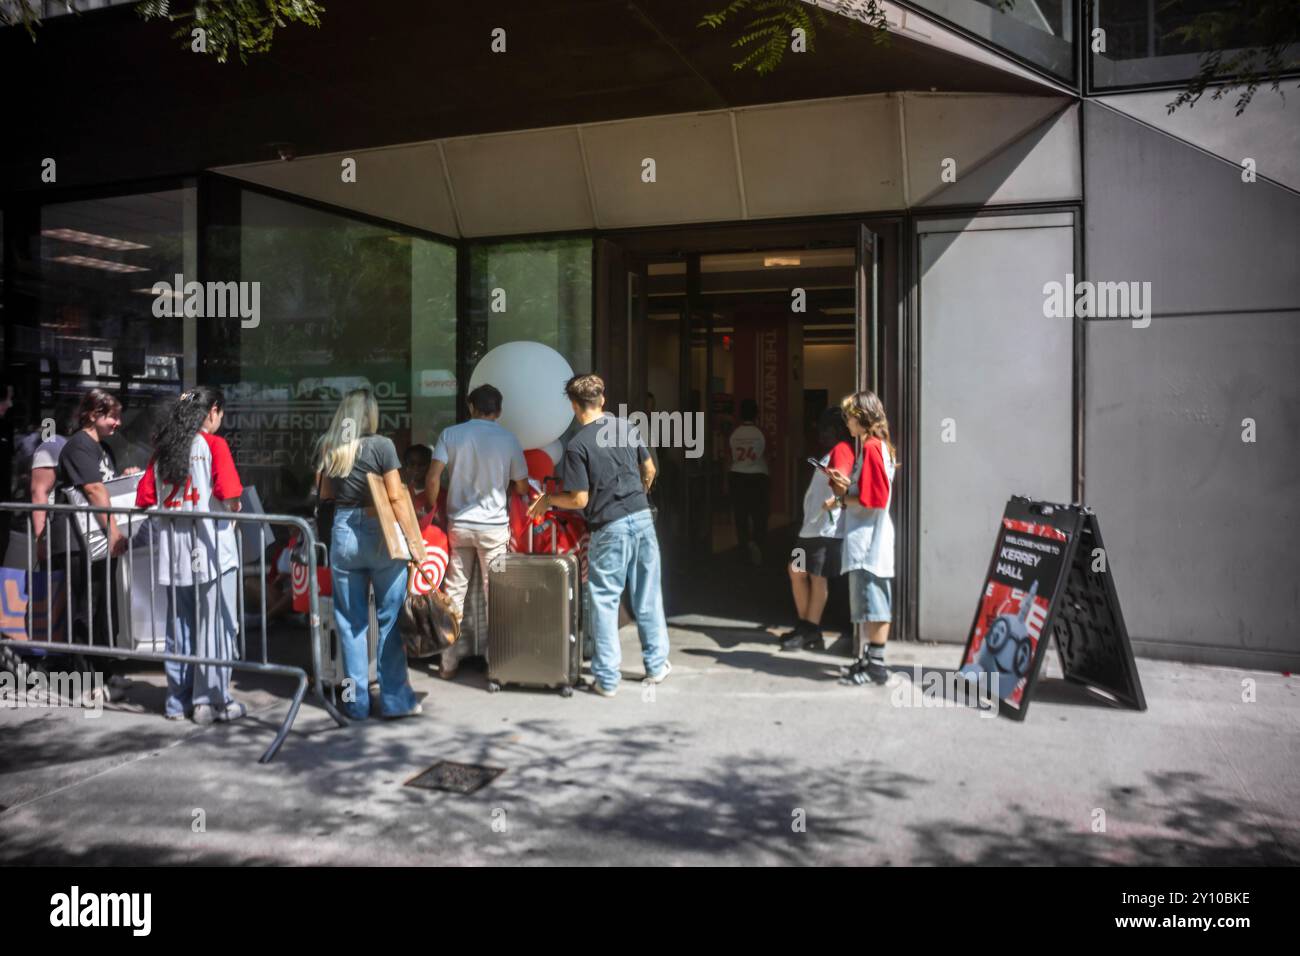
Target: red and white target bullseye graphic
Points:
(429, 576)
(299, 577)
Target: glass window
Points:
(94, 267)
(537, 290)
(343, 304)
(1143, 45)
(1039, 32)
(2, 282)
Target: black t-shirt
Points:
(85, 461)
(603, 459)
(376, 455)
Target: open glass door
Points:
(867, 347)
(867, 337)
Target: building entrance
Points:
(753, 344)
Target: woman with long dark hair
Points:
(197, 559)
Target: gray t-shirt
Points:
(47, 456)
(482, 458)
(375, 456)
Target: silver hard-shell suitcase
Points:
(533, 620)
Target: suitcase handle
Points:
(532, 530)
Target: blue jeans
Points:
(190, 685)
(625, 553)
(358, 559)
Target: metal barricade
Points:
(77, 545)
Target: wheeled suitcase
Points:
(332, 671)
(533, 620)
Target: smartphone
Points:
(818, 465)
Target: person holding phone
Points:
(816, 555)
(868, 556)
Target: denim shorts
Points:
(821, 556)
(869, 597)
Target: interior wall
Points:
(829, 367)
(1199, 524)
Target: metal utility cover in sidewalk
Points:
(462, 778)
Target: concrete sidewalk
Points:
(744, 755)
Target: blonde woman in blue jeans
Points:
(346, 455)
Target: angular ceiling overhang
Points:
(878, 152)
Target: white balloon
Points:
(555, 450)
(530, 377)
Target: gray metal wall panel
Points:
(1197, 521)
(1162, 212)
(1001, 371)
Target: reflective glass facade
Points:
(1039, 32)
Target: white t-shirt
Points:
(748, 446)
(482, 458)
(819, 522)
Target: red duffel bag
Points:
(570, 528)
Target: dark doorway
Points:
(709, 323)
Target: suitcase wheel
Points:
(566, 691)
(493, 687)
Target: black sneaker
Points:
(794, 640)
(796, 637)
(855, 673)
(813, 641)
(877, 673)
(863, 672)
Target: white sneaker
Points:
(597, 689)
(234, 711)
(659, 677)
(413, 712)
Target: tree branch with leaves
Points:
(770, 30)
(229, 27)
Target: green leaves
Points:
(1245, 68)
(26, 12)
(240, 27)
(766, 36)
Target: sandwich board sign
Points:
(1050, 580)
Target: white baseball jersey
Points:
(748, 450)
(201, 549)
